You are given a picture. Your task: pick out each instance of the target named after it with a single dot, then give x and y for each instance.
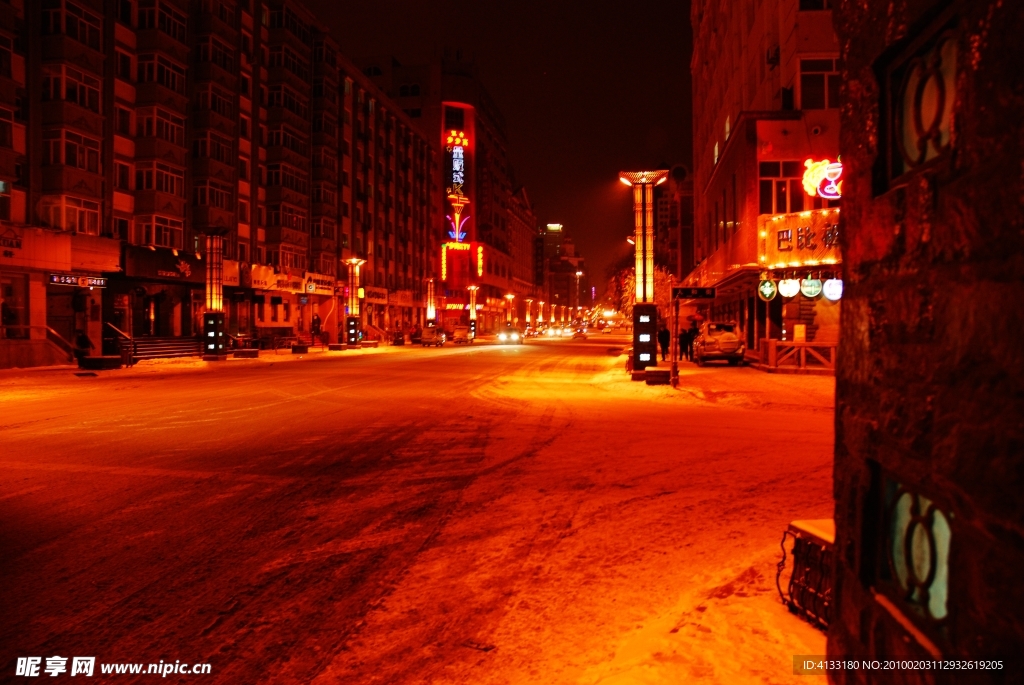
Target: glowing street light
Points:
(352, 321)
(509, 297)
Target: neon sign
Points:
(821, 179)
(480, 260)
(456, 145)
(444, 256)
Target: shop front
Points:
(51, 286)
(160, 294)
(277, 301)
(320, 306)
(375, 307)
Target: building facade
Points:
(445, 99)
(927, 456)
(141, 130)
(766, 75)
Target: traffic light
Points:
(352, 330)
(213, 334)
(472, 329)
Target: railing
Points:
(809, 590)
(125, 345)
(25, 333)
(797, 356)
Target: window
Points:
(158, 123)
(158, 69)
(124, 12)
(71, 214)
(716, 153)
(6, 128)
(323, 123)
(216, 52)
(373, 71)
(71, 85)
(213, 146)
(289, 217)
(160, 177)
(14, 294)
(287, 176)
(283, 96)
(780, 188)
(122, 176)
(283, 56)
(324, 193)
(122, 121)
(285, 136)
(211, 194)
(243, 168)
(819, 84)
(244, 85)
(71, 149)
(5, 56)
(214, 99)
(159, 231)
(124, 66)
(243, 211)
(806, 5)
(324, 228)
(162, 17)
(244, 127)
(74, 22)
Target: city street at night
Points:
(475, 514)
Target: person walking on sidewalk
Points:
(691, 335)
(663, 339)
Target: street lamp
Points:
(540, 312)
(529, 306)
(645, 312)
(509, 297)
(578, 274)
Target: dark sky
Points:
(586, 89)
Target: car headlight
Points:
(515, 336)
(501, 336)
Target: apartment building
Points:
(767, 129)
(138, 135)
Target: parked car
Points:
(717, 341)
(434, 336)
(510, 336)
(460, 335)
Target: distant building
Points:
(446, 96)
(766, 76)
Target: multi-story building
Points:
(446, 99)
(141, 139)
(766, 75)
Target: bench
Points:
(247, 353)
(369, 343)
(100, 363)
(337, 347)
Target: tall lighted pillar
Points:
(508, 310)
(352, 320)
(540, 312)
(645, 312)
(431, 302)
(214, 325)
(529, 306)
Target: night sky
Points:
(586, 89)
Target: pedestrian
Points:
(691, 335)
(314, 326)
(83, 345)
(684, 335)
(663, 339)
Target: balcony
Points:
(325, 139)
(211, 168)
(279, 115)
(208, 119)
(213, 220)
(276, 194)
(154, 40)
(282, 35)
(323, 245)
(60, 48)
(155, 202)
(324, 174)
(210, 24)
(206, 72)
(280, 153)
(65, 179)
(280, 234)
(324, 209)
(283, 75)
(156, 94)
(69, 114)
(158, 148)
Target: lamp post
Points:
(540, 312)
(578, 274)
(508, 298)
(645, 312)
(529, 306)
(214, 324)
(352, 320)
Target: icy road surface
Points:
(460, 515)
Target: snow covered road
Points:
(485, 515)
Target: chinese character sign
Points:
(800, 239)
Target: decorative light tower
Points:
(529, 306)
(540, 312)
(431, 304)
(645, 312)
(352, 320)
(214, 348)
(472, 309)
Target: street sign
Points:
(693, 293)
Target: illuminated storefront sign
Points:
(822, 179)
(456, 145)
(810, 287)
(79, 281)
(480, 260)
(832, 289)
(767, 290)
(789, 287)
(801, 239)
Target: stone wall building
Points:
(928, 471)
